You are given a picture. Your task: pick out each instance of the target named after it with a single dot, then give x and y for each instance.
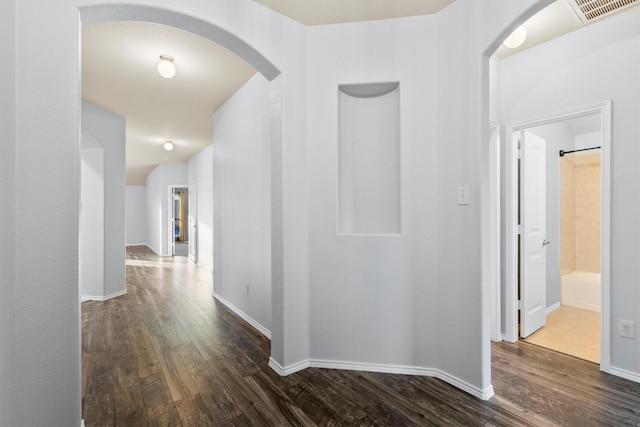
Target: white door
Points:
(533, 259)
(193, 223)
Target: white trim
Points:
(491, 249)
(605, 235)
(264, 331)
(511, 318)
(484, 394)
(628, 375)
(136, 244)
(511, 232)
(291, 369)
(554, 307)
(84, 298)
(82, 423)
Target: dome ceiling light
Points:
(166, 68)
(516, 38)
(168, 145)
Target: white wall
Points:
(7, 181)
(242, 219)
(391, 301)
(47, 177)
(597, 63)
(135, 215)
(91, 239)
(110, 131)
(154, 208)
(158, 213)
(201, 204)
(368, 292)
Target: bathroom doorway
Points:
(561, 306)
(572, 311)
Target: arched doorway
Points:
(570, 102)
(210, 31)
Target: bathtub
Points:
(581, 289)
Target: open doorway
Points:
(559, 214)
(257, 101)
(534, 87)
(531, 296)
(178, 221)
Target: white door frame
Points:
(511, 202)
(493, 240)
(170, 225)
(193, 217)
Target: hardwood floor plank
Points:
(180, 383)
(244, 398)
(165, 415)
(168, 354)
(211, 390)
(128, 402)
(367, 399)
(320, 412)
(205, 346)
(331, 396)
(440, 402)
(277, 400)
(193, 412)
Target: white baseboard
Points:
(264, 331)
(82, 423)
(84, 298)
(505, 338)
(136, 244)
(483, 394)
(291, 369)
(632, 376)
(554, 307)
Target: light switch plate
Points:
(463, 195)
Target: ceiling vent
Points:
(590, 10)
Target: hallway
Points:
(167, 353)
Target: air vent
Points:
(590, 10)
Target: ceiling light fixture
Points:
(166, 68)
(168, 145)
(516, 38)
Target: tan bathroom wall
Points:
(587, 212)
(567, 215)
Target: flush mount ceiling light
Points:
(516, 38)
(166, 68)
(168, 145)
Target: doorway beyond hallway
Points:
(572, 331)
(181, 249)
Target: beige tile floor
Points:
(572, 331)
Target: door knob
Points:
(545, 242)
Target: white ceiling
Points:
(320, 12)
(119, 71)
(119, 74)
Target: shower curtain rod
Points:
(562, 152)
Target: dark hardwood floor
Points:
(168, 354)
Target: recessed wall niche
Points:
(369, 159)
